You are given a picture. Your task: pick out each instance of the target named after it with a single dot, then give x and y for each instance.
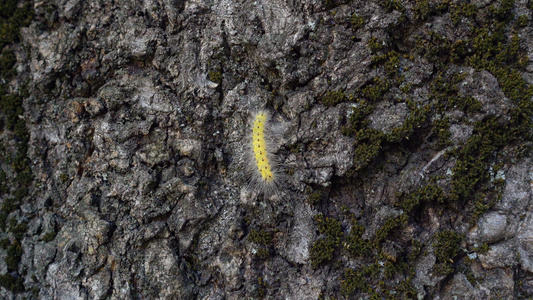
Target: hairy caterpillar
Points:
(264, 173)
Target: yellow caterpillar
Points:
(259, 147)
(264, 175)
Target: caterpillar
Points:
(262, 162)
(260, 147)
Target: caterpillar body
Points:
(260, 147)
(265, 176)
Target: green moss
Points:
(4, 243)
(260, 237)
(331, 98)
(321, 296)
(18, 229)
(297, 148)
(416, 118)
(433, 47)
(355, 244)
(490, 49)
(376, 90)
(374, 44)
(63, 177)
(9, 205)
(391, 266)
(262, 253)
(422, 9)
(483, 249)
(469, 274)
(25, 177)
(429, 193)
(407, 289)
(7, 8)
(3, 219)
(13, 17)
(12, 283)
(50, 236)
(263, 239)
(380, 281)
(503, 12)
(357, 119)
(406, 88)
(14, 188)
(329, 227)
(7, 61)
(391, 62)
(215, 76)
(356, 281)
(462, 10)
(14, 254)
(444, 92)
(323, 249)
(391, 5)
(441, 128)
(416, 249)
(483, 201)
(447, 247)
(491, 44)
(261, 288)
(473, 160)
(21, 193)
(357, 21)
(35, 292)
(365, 153)
(369, 142)
(389, 225)
(522, 21)
(458, 51)
(313, 197)
(387, 276)
(515, 87)
(11, 106)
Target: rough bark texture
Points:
(402, 128)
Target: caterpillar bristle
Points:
(265, 176)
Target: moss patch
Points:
(215, 76)
(323, 249)
(313, 197)
(489, 42)
(385, 278)
(12, 18)
(428, 193)
(12, 282)
(447, 247)
(15, 174)
(374, 44)
(50, 236)
(7, 61)
(355, 244)
(263, 239)
(389, 225)
(357, 21)
(331, 98)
